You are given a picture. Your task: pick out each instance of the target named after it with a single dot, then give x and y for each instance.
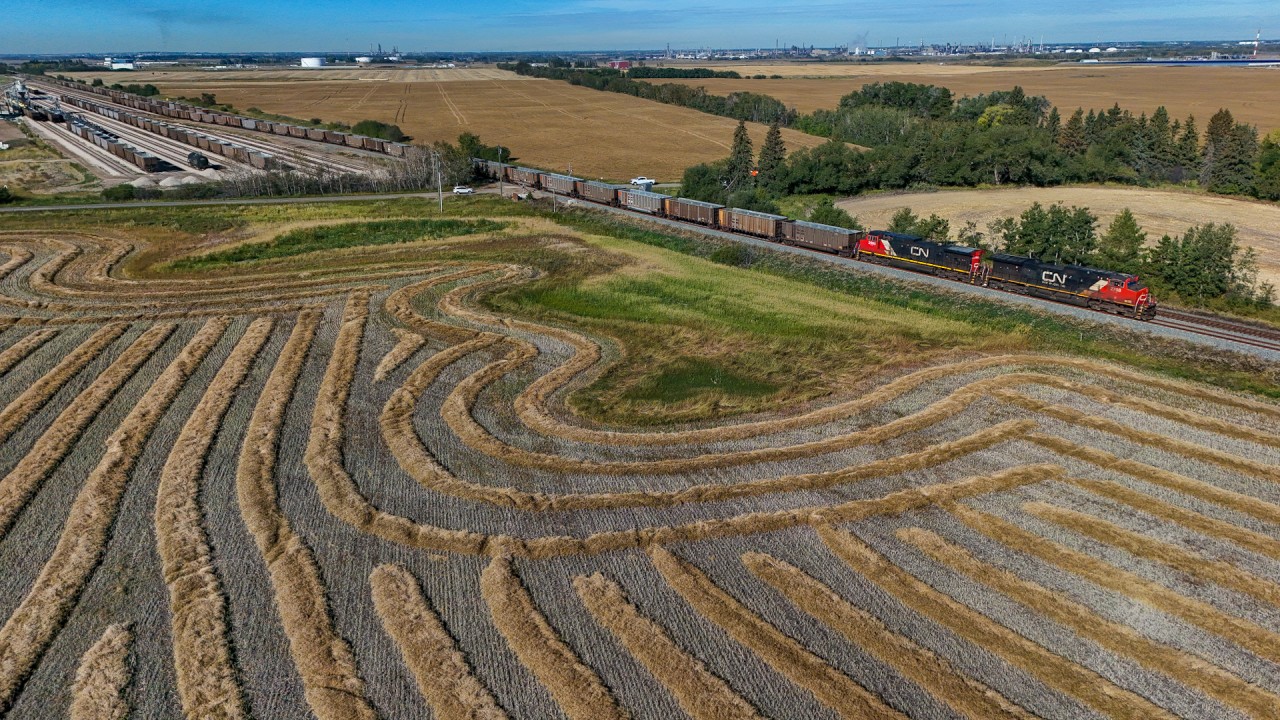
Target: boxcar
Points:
(914, 253)
(336, 137)
(355, 141)
(395, 149)
(597, 191)
(316, 134)
(280, 129)
(695, 211)
(298, 132)
(752, 222)
(560, 184)
(642, 200)
(495, 169)
(524, 176)
(816, 236)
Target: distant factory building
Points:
(364, 59)
(312, 62)
(117, 64)
(620, 64)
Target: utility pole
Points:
(435, 160)
(501, 172)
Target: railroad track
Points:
(1220, 328)
(313, 159)
(1213, 327)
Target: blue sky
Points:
(55, 26)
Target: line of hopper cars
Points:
(204, 143)
(182, 111)
(1097, 289)
(112, 143)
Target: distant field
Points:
(1158, 211)
(1251, 94)
(327, 74)
(546, 123)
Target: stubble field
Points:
(548, 124)
(352, 484)
(1251, 94)
(1159, 212)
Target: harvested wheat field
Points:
(1252, 94)
(549, 124)
(1159, 212)
(363, 483)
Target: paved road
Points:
(851, 264)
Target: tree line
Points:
(738, 105)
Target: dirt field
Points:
(337, 486)
(546, 123)
(1158, 211)
(1251, 94)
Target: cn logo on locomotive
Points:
(922, 252)
(1053, 278)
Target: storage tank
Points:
(312, 62)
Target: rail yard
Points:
(122, 137)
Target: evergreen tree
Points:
(1053, 123)
(1217, 138)
(1267, 185)
(1188, 151)
(773, 161)
(1121, 246)
(741, 160)
(1163, 155)
(1072, 138)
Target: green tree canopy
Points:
(827, 213)
(1121, 246)
(1053, 234)
(905, 221)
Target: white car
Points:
(642, 180)
(463, 190)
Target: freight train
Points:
(1102, 290)
(183, 111)
(203, 143)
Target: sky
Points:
(102, 26)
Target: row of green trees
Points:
(739, 105)
(922, 135)
(643, 71)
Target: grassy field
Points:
(548, 124)
(1251, 94)
(1158, 211)
(439, 476)
(35, 168)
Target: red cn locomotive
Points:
(1089, 287)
